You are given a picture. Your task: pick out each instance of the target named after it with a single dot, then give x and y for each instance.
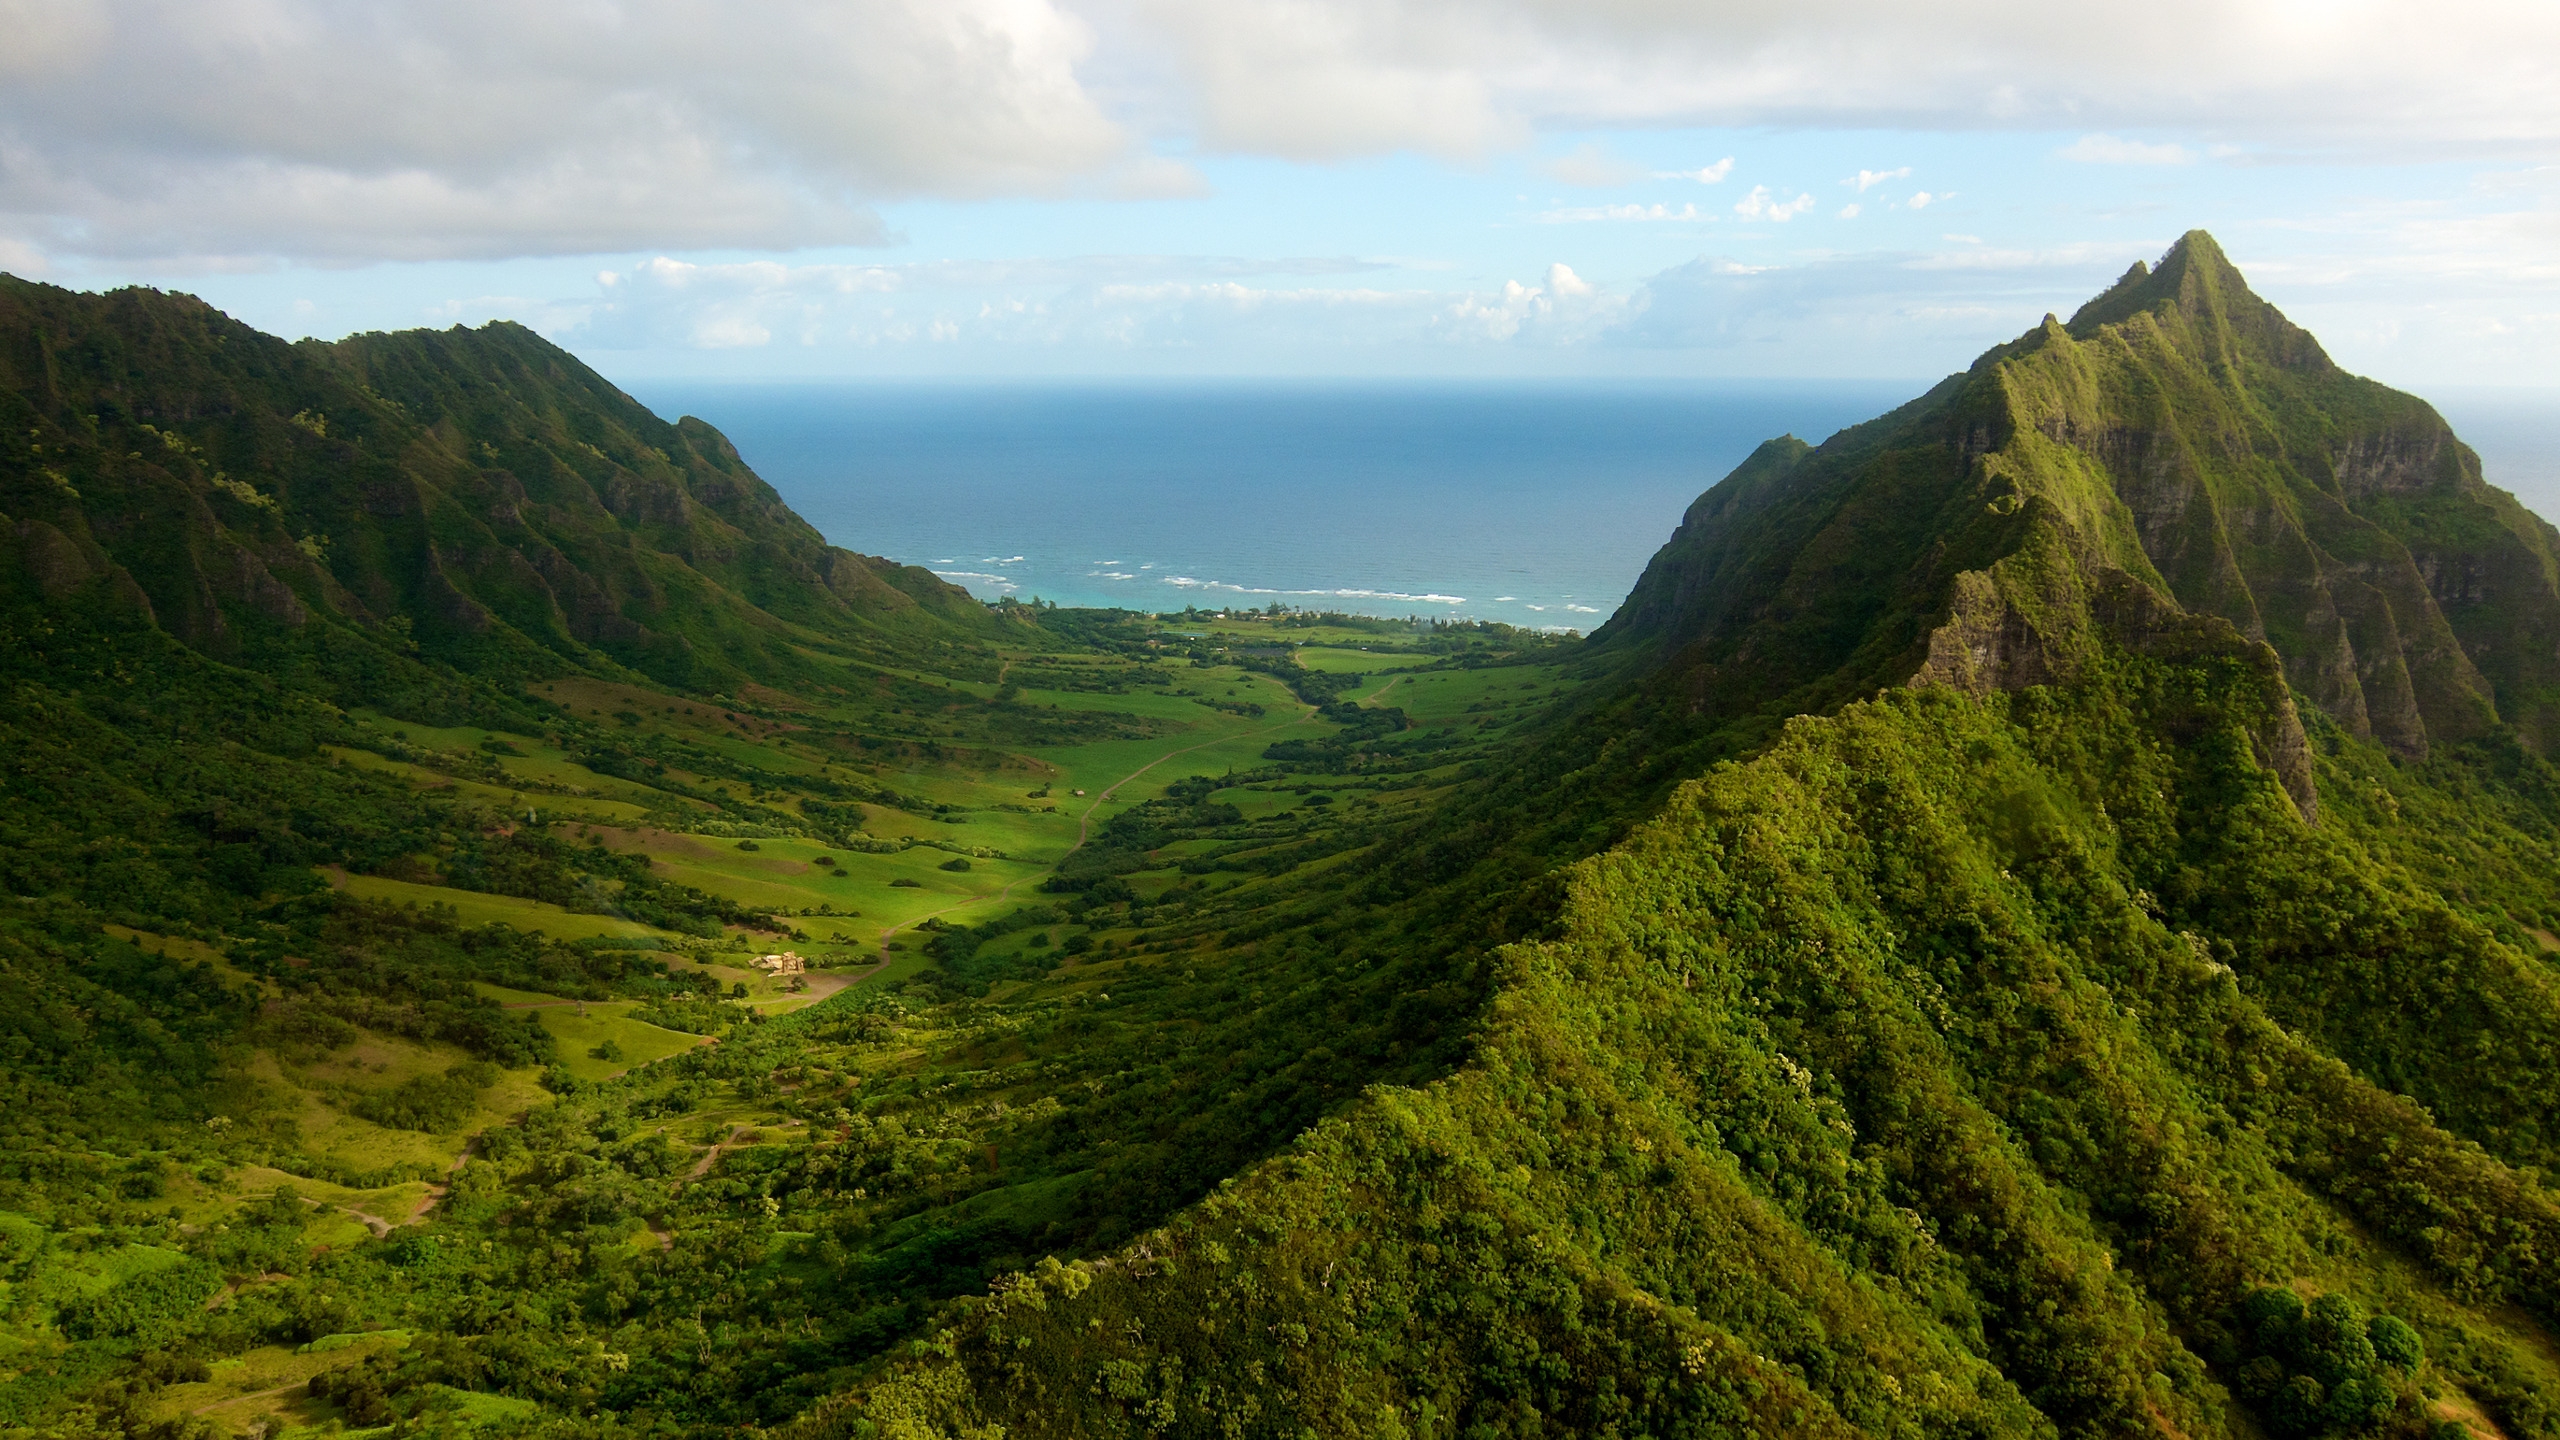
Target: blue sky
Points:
(1303, 187)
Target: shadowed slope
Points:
(479, 494)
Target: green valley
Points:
(2036, 918)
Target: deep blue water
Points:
(1536, 503)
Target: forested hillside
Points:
(476, 497)
(2035, 1004)
(2037, 918)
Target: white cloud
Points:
(1867, 180)
(1849, 211)
(2086, 257)
(1849, 314)
(1459, 77)
(1591, 167)
(1567, 309)
(1584, 214)
(2482, 310)
(729, 332)
(1704, 174)
(1838, 315)
(22, 259)
(2534, 177)
(2108, 150)
(1110, 304)
(1324, 79)
(341, 131)
(1759, 206)
(1921, 200)
(359, 130)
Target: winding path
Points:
(1382, 690)
(711, 1157)
(437, 1191)
(375, 1223)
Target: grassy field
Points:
(76, 1274)
(904, 781)
(540, 767)
(1463, 696)
(262, 1391)
(321, 1093)
(496, 797)
(474, 908)
(1355, 660)
(1019, 805)
(859, 887)
(584, 1028)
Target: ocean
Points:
(1532, 503)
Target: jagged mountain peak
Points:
(2179, 453)
(2196, 284)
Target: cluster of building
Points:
(786, 963)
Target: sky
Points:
(871, 189)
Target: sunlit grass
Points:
(471, 907)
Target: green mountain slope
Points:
(2075, 982)
(2037, 921)
(2179, 437)
(479, 496)
(247, 776)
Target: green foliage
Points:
(1128, 840)
(147, 1307)
(430, 1102)
(536, 864)
(1884, 1002)
(1747, 1043)
(2395, 1345)
(1362, 727)
(2319, 1370)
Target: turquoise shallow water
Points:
(1532, 503)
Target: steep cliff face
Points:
(479, 494)
(2179, 446)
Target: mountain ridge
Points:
(2179, 432)
(1938, 968)
(246, 488)
(2007, 1004)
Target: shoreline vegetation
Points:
(2037, 917)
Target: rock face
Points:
(479, 495)
(2179, 452)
